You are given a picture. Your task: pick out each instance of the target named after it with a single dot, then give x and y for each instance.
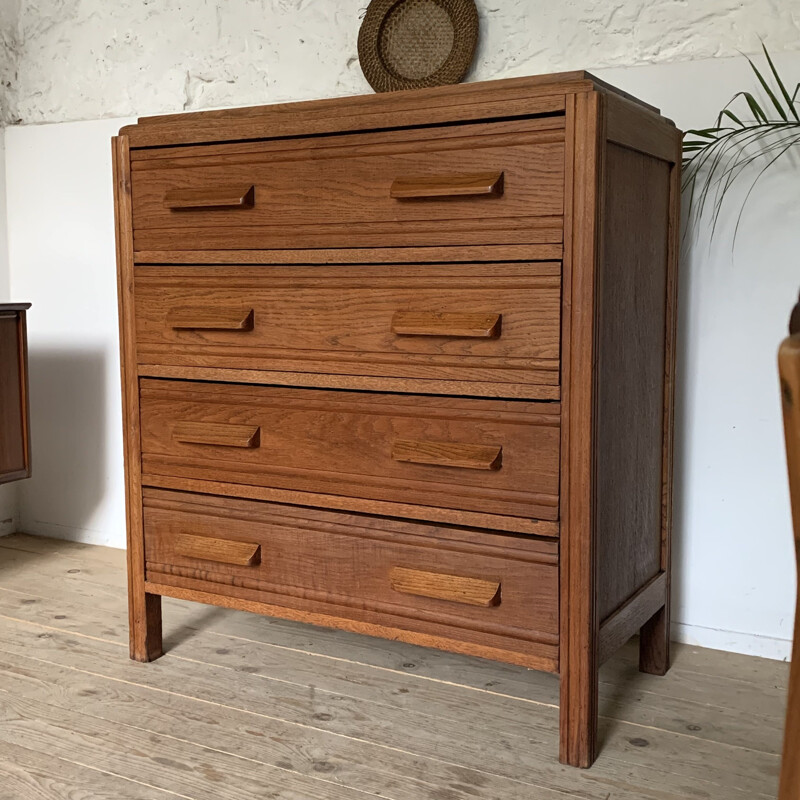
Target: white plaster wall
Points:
(88, 59)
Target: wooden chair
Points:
(789, 366)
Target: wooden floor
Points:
(247, 707)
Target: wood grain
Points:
(144, 608)
(427, 186)
(219, 318)
(223, 434)
(341, 443)
(631, 309)
(210, 197)
(223, 551)
(448, 454)
(324, 563)
(337, 192)
(461, 325)
(578, 567)
(455, 588)
(430, 322)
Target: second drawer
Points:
(487, 456)
(496, 326)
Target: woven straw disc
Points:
(411, 44)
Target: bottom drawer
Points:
(456, 589)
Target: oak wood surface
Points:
(224, 434)
(338, 192)
(15, 459)
(631, 308)
(223, 551)
(461, 455)
(578, 662)
(417, 322)
(341, 443)
(472, 591)
(144, 609)
(325, 563)
(789, 366)
(394, 259)
(456, 185)
(448, 516)
(222, 196)
(441, 323)
(621, 624)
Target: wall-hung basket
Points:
(411, 44)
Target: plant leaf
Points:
(768, 90)
(776, 75)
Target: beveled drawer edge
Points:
(167, 571)
(546, 663)
(470, 519)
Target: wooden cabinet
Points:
(15, 460)
(403, 365)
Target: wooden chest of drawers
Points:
(403, 364)
(15, 459)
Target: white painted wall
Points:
(733, 572)
(93, 59)
(61, 248)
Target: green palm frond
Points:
(715, 158)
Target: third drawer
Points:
(489, 457)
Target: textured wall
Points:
(88, 59)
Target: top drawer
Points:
(480, 184)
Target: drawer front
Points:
(495, 457)
(490, 323)
(456, 583)
(499, 183)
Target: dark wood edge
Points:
(14, 307)
(24, 388)
(626, 621)
(144, 610)
(578, 567)
(541, 663)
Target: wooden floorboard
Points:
(306, 712)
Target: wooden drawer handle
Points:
(471, 591)
(433, 323)
(214, 197)
(475, 185)
(217, 319)
(217, 433)
(224, 551)
(448, 454)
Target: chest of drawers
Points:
(15, 461)
(403, 365)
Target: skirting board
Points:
(748, 644)
(8, 509)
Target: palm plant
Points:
(714, 158)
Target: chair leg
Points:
(654, 643)
(145, 626)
